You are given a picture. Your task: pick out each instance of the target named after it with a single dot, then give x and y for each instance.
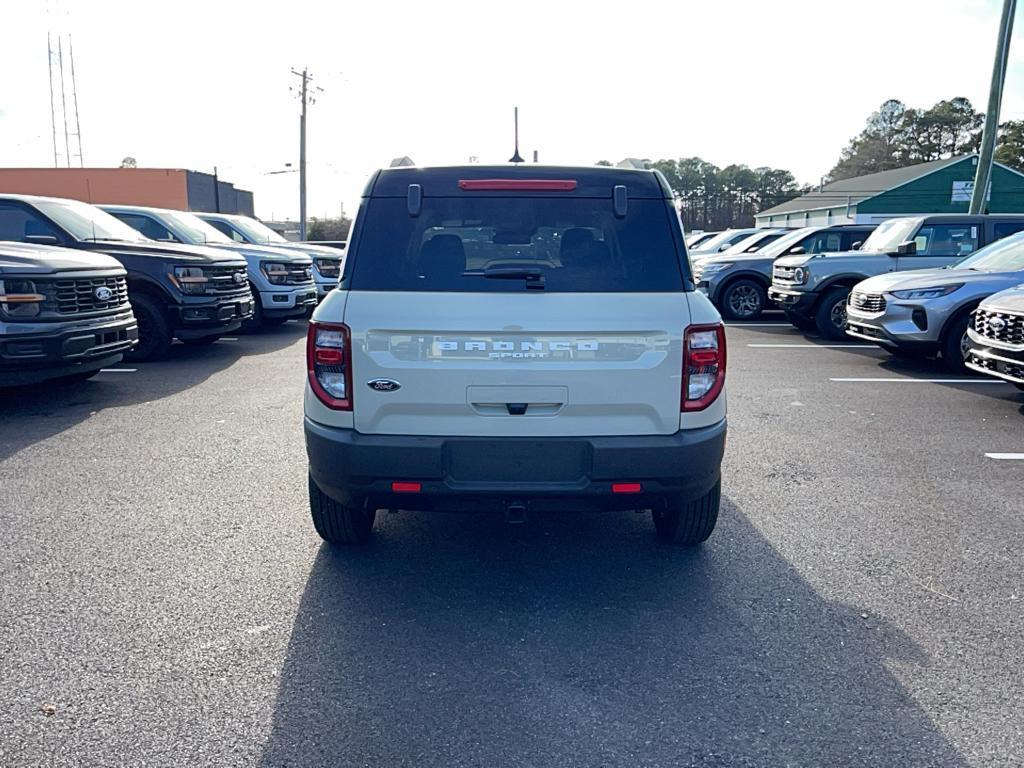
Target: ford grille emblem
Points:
(238, 277)
(997, 324)
(103, 293)
(383, 385)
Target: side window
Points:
(17, 223)
(947, 239)
(225, 228)
(149, 227)
(1004, 228)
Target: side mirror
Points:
(725, 247)
(856, 246)
(796, 251)
(908, 248)
(41, 239)
(752, 248)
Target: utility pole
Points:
(306, 99)
(995, 99)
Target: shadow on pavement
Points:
(579, 641)
(31, 414)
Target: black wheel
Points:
(154, 331)
(202, 341)
(255, 322)
(830, 316)
(743, 299)
(801, 322)
(338, 524)
(954, 344)
(687, 523)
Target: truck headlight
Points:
(275, 271)
(19, 299)
(928, 293)
(190, 280)
(328, 267)
(801, 275)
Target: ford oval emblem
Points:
(103, 293)
(238, 277)
(383, 385)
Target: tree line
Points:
(894, 136)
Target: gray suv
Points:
(813, 290)
(64, 314)
(996, 337)
(927, 311)
(737, 280)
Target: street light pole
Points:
(995, 98)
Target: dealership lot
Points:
(859, 604)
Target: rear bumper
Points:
(27, 358)
(543, 473)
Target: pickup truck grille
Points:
(1001, 327)
(784, 275)
(867, 302)
(226, 279)
(88, 294)
(299, 274)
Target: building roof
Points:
(860, 188)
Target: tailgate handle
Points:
(517, 409)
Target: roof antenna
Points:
(516, 157)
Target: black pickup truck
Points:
(194, 294)
(63, 314)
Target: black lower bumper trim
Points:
(470, 473)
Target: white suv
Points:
(518, 338)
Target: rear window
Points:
(500, 244)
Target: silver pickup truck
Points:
(813, 290)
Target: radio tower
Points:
(63, 87)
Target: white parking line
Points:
(1005, 456)
(812, 346)
(118, 370)
(228, 338)
(903, 379)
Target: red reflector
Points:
(328, 356)
(406, 487)
(703, 357)
(626, 488)
(510, 185)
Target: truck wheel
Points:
(743, 300)
(255, 322)
(687, 523)
(154, 331)
(801, 322)
(954, 344)
(830, 316)
(338, 524)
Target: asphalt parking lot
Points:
(860, 603)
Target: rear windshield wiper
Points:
(534, 277)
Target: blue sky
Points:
(197, 84)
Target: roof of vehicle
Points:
(443, 181)
(38, 198)
(149, 208)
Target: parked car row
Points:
(80, 287)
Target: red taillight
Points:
(406, 487)
(703, 365)
(626, 488)
(518, 185)
(329, 363)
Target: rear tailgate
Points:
(516, 364)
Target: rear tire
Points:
(743, 299)
(801, 322)
(155, 335)
(687, 523)
(336, 523)
(830, 316)
(954, 344)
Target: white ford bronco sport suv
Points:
(519, 338)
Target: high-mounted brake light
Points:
(703, 365)
(517, 185)
(329, 363)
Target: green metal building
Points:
(941, 186)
